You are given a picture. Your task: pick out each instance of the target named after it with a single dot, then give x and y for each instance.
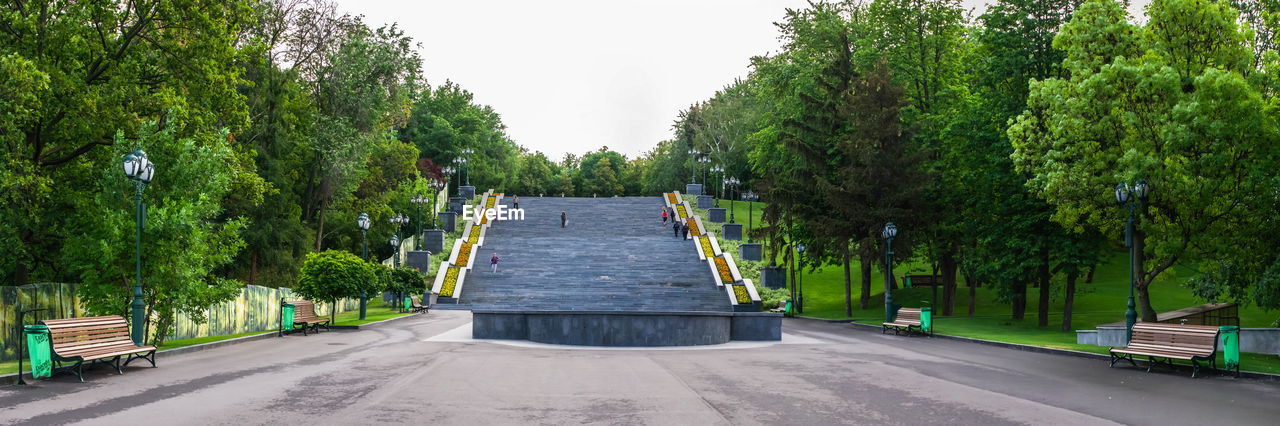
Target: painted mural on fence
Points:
(256, 309)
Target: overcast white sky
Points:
(575, 75)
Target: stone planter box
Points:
(455, 205)
(733, 231)
(706, 202)
(751, 251)
(420, 260)
(448, 223)
(693, 189)
(773, 276)
(716, 215)
(467, 192)
(433, 240)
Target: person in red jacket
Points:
(664, 216)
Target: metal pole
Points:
(1130, 315)
(750, 215)
(138, 306)
(418, 240)
(800, 285)
(888, 280)
(364, 244)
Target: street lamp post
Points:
(466, 152)
(750, 197)
(418, 201)
(733, 188)
(138, 168)
(800, 286)
(703, 159)
(1131, 198)
(363, 222)
(890, 231)
(718, 169)
(693, 165)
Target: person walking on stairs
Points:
(515, 201)
(564, 220)
(684, 232)
(675, 228)
(664, 216)
(493, 262)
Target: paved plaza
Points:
(424, 369)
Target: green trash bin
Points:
(1231, 347)
(926, 320)
(790, 309)
(286, 317)
(408, 304)
(39, 350)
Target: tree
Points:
(79, 74)
(403, 280)
(536, 175)
(331, 275)
(1169, 102)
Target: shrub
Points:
(404, 280)
(331, 275)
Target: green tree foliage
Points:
(446, 119)
(536, 175)
(331, 275)
(404, 280)
(1169, 102)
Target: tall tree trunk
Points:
(790, 260)
(1069, 296)
(1142, 282)
(1020, 298)
(320, 226)
(933, 288)
(868, 262)
(848, 287)
(949, 266)
(253, 266)
(1043, 276)
(973, 292)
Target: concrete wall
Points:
(1256, 340)
(610, 328)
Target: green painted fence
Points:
(256, 309)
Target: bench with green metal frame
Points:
(94, 339)
(1164, 343)
(304, 317)
(909, 320)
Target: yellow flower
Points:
(723, 268)
(450, 281)
(741, 292)
(464, 254)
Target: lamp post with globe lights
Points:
(139, 169)
(1131, 198)
(363, 222)
(889, 231)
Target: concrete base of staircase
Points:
(630, 329)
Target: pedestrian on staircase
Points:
(516, 201)
(675, 228)
(564, 220)
(493, 262)
(684, 232)
(664, 216)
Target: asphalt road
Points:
(424, 370)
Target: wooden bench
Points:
(417, 304)
(922, 280)
(1163, 343)
(906, 320)
(304, 314)
(94, 339)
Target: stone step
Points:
(615, 254)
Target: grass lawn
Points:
(376, 310)
(1100, 302)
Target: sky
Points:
(571, 76)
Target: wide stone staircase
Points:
(615, 255)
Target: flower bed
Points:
(671, 198)
(473, 237)
(694, 230)
(464, 254)
(450, 282)
(740, 291)
(722, 267)
(705, 243)
(489, 203)
(680, 211)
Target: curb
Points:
(1030, 348)
(12, 378)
